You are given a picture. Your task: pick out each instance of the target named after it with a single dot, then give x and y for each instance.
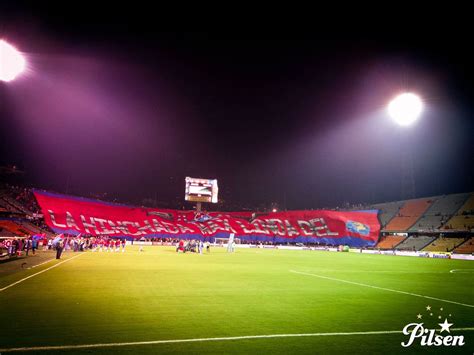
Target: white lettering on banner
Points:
(146, 227)
(244, 227)
(228, 227)
(171, 228)
(213, 227)
(158, 226)
(113, 226)
(185, 229)
(133, 224)
(86, 225)
(316, 227)
(53, 220)
(322, 227)
(259, 226)
(276, 226)
(70, 222)
(202, 227)
(306, 228)
(102, 223)
(290, 229)
(119, 227)
(64, 213)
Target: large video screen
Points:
(201, 190)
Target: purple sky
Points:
(299, 123)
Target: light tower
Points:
(405, 109)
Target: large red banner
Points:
(67, 214)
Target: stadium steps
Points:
(16, 205)
(387, 210)
(14, 228)
(464, 217)
(465, 248)
(443, 208)
(35, 229)
(416, 242)
(408, 215)
(389, 242)
(4, 233)
(444, 244)
(5, 203)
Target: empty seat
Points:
(410, 212)
(389, 242)
(465, 248)
(415, 243)
(444, 244)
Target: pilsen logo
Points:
(419, 333)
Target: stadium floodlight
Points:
(405, 108)
(12, 62)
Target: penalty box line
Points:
(381, 288)
(37, 273)
(197, 340)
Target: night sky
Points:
(113, 104)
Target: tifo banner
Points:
(67, 214)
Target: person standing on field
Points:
(27, 245)
(59, 249)
(34, 245)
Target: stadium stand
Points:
(33, 228)
(14, 228)
(387, 211)
(389, 242)
(444, 244)
(6, 234)
(415, 243)
(15, 204)
(464, 218)
(21, 217)
(4, 207)
(408, 214)
(465, 248)
(8, 206)
(439, 212)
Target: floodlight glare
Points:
(12, 62)
(405, 108)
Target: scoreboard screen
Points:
(201, 190)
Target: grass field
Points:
(132, 297)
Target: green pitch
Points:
(157, 294)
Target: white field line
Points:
(196, 340)
(44, 262)
(384, 271)
(462, 271)
(381, 288)
(39, 272)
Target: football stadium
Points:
(269, 293)
(177, 193)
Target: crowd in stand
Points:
(26, 198)
(23, 196)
